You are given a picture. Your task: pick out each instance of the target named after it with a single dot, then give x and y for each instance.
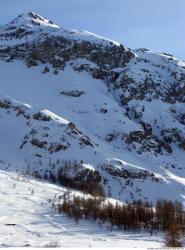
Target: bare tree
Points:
(172, 238)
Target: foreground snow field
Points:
(28, 219)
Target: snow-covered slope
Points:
(73, 95)
(32, 221)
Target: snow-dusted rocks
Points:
(73, 95)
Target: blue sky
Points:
(155, 24)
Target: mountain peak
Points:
(33, 25)
(24, 26)
(31, 19)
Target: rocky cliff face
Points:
(72, 95)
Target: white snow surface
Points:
(27, 205)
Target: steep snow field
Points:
(35, 91)
(27, 218)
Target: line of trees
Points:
(166, 216)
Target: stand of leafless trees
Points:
(166, 216)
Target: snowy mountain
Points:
(73, 95)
